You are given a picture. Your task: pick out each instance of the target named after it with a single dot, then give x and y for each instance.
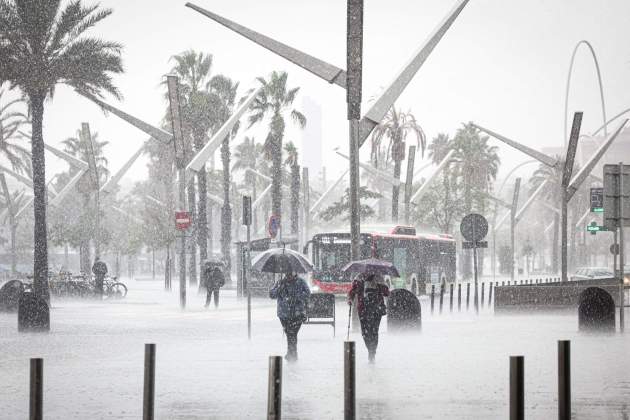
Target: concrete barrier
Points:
(548, 296)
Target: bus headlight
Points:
(315, 288)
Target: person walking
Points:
(370, 292)
(214, 279)
(292, 294)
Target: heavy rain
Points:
(229, 210)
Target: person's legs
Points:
(369, 329)
(292, 328)
(216, 298)
(208, 296)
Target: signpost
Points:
(617, 216)
(247, 221)
(474, 227)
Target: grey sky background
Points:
(503, 64)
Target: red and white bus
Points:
(421, 259)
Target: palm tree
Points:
(438, 149)
(292, 162)
(11, 124)
(396, 126)
(78, 147)
(476, 170)
(552, 193)
(41, 46)
(223, 90)
(275, 100)
(247, 155)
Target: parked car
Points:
(592, 273)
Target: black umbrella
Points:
(281, 260)
(371, 266)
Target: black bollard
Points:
(459, 297)
(483, 287)
(432, 297)
(517, 388)
(508, 282)
(349, 381)
(467, 295)
(441, 296)
(521, 282)
(502, 283)
(148, 406)
(36, 401)
(564, 380)
(490, 295)
(274, 389)
(450, 298)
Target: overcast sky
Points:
(502, 64)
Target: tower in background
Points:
(311, 150)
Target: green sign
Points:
(594, 227)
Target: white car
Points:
(592, 273)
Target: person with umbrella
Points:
(214, 280)
(291, 291)
(370, 291)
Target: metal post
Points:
(517, 188)
(621, 249)
(517, 388)
(274, 389)
(148, 406)
(450, 297)
(475, 274)
(354, 69)
(36, 397)
(249, 315)
(306, 205)
(432, 296)
(467, 295)
(483, 287)
(441, 296)
(411, 158)
(459, 297)
(180, 163)
(564, 380)
(564, 234)
(349, 381)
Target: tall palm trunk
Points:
(192, 246)
(202, 218)
(40, 254)
(295, 198)
(254, 211)
(276, 166)
(396, 191)
(226, 211)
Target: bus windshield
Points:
(331, 253)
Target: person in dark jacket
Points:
(292, 294)
(214, 279)
(370, 291)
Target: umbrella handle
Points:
(349, 320)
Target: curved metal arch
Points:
(607, 123)
(601, 87)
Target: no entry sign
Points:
(182, 220)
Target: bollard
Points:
(521, 282)
(450, 298)
(459, 297)
(36, 401)
(483, 287)
(249, 315)
(502, 283)
(467, 295)
(432, 297)
(490, 295)
(564, 380)
(517, 388)
(508, 282)
(274, 389)
(349, 381)
(148, 404)
(441, 296)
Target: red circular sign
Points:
(182, 220)
(273, 226)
